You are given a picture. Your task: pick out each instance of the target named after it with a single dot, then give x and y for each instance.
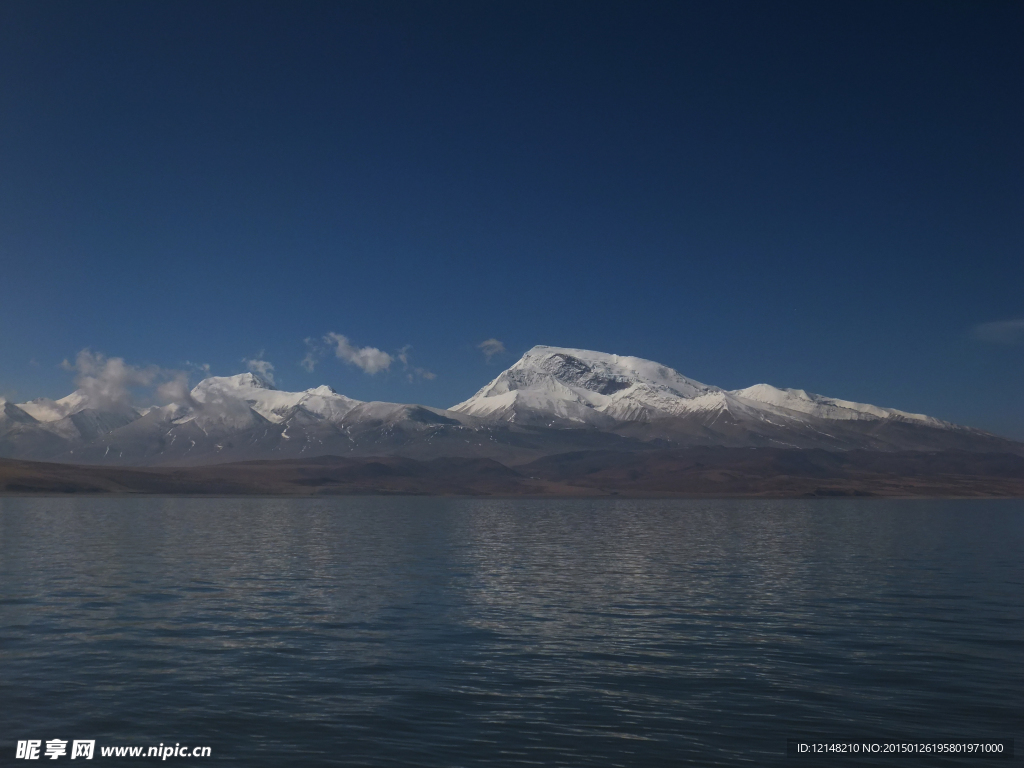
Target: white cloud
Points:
(262, 368)
(490, 348)
(107, 382)
(412, 371)
(112, 384)
(370, 359)
(175, 390)
(423, 373)
(216, 404)
(313, 354)
(1001, 331)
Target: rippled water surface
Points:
(456, 632)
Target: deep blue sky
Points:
(818, 195)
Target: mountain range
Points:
(552, 401)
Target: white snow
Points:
(548, 386)
(827, 407)
(585, 387)
(273, 404)
(44, 409)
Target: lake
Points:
(467, 632)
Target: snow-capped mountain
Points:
(46, 410)
(553, 400)
(43, 422)
(273, 404)
(830, 408)
(21, 435)
(575, 385)
(556, 386)
(243, 417)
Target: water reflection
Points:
(471, 632)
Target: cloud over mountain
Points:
(412, 371)
(105, 382)
(263, 368)
(490, 348)
(554, 400)
(369, 359)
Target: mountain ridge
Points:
(552, 400)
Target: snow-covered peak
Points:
(323, 390)
(583, 386)
(562, 386)
(11, 413)
(326, 403)
(828, 407)
(45, 409)
(273, 404)
(242, 382)
(604, 373)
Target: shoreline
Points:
(696, 473)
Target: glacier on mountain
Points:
(273, 404)
(552, 400)
(558, 385)
(44, 409)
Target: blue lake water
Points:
(459, 632)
